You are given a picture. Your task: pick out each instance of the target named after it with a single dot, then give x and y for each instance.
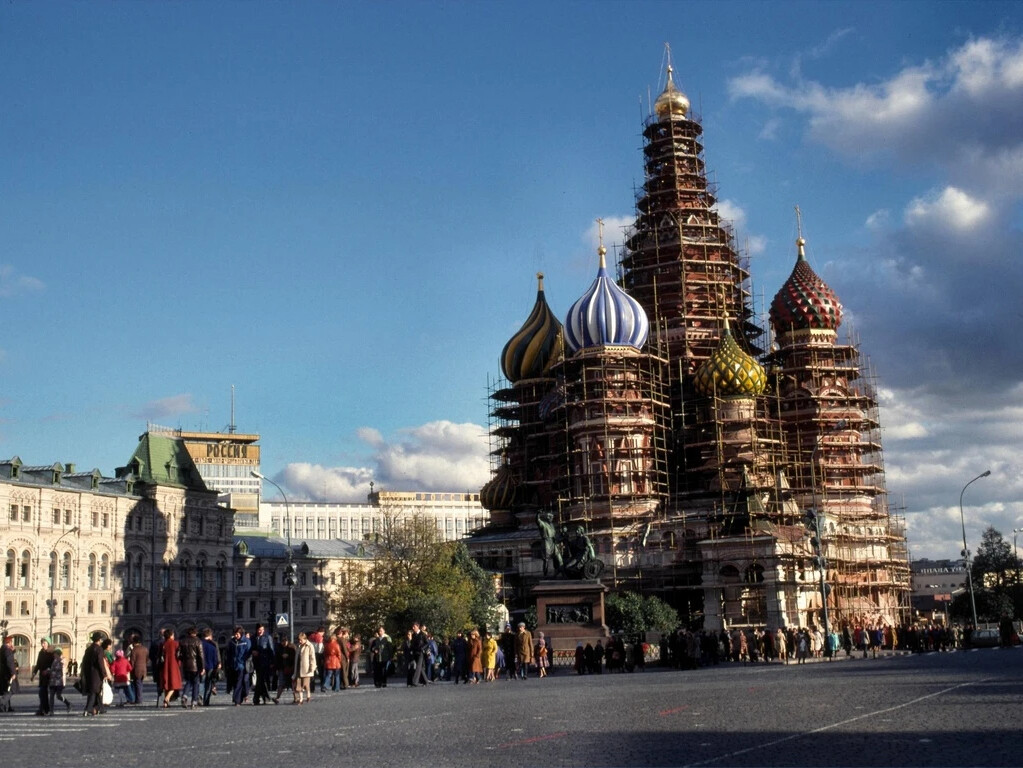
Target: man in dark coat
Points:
(42, 668)
(93, 672)
(138, 655)
(193, 667)
(263, 659)
(417, 649)
(8, 671)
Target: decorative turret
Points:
(503, 490)
(538, 344)
(671, 101)
(605, 315)
(805, 301)
(730, 372)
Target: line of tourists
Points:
(471, 657)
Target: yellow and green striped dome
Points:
(730, 372)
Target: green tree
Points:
(658, 615)
(623, 612)
(994, 566)
(414, 576)
(634, 614)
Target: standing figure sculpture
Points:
(549, 543)
(569, 549)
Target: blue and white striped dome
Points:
(605, 315)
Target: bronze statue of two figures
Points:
(568, 550)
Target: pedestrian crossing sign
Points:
(282, 620)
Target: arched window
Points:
(136, 574)
(62, 641)
(9, 567)
(200, 575)
(92, 571)
(25, 575)
(21, 652)
(104, 572)
(65, 571)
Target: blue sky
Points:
(340, 210)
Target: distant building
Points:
(225, 461)
(147, 549)
(62, 535)
(261, 595)
(934, 584)
(456, 514)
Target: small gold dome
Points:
(730, 372)
(671, 101)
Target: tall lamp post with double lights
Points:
(966, 551)
(290, 570)
(817, 519)
(51, 604)
(1015, 552)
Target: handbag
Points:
(107, 695)
(80, 686)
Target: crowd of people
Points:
(258, 668)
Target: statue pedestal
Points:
(570, 612)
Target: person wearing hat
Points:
(94, 672)
(42, 668)
(57, 680)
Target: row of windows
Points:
(302, 608)
(18, 571)
(333, 527)
(23, 513)
(65, 608)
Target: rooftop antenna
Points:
(231, 427)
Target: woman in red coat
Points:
(170, 671)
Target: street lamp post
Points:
(1015, 552)
(51, 604)
(966, 551)
(814, 518)
(289, 569)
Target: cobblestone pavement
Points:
(929, 710)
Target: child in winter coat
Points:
(121, 670)
(57, 680)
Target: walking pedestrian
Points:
(57, 681)
(304, 670)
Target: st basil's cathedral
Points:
(733, 473)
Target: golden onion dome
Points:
(730, 372)
(671, 101)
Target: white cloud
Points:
(166, 408)
(769, 132)
(616, 230)
(11, 283)
(731, 211)
(735, 214)
(878, 220)
(953, 208)
(438, 456)
(958, 113)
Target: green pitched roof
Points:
(163, 460)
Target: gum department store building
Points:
(686, 442)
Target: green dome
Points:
(730, 372)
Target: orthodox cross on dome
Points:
(800, 242)
(601, 250)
